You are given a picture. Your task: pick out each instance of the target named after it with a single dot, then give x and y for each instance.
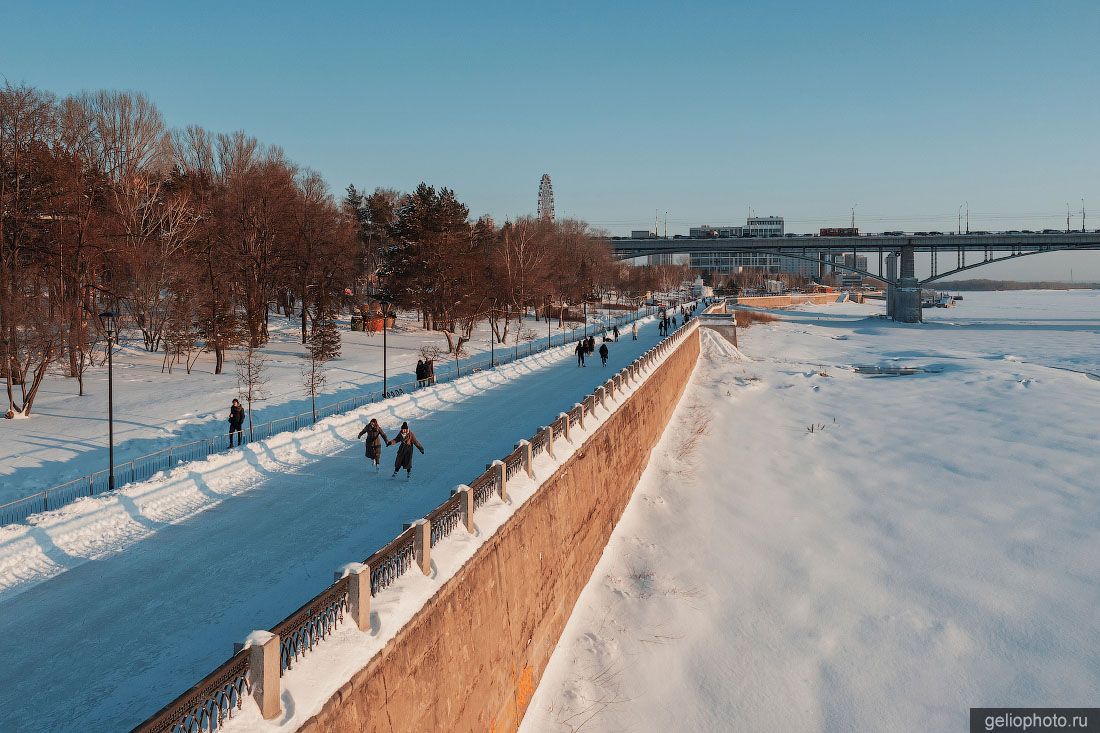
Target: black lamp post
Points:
(585, 319)
(492, 334)
(109, 320)
(385, 324)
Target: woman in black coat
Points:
(405, 441)
(236, 422)
(375, 436)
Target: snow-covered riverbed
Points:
(812, 548)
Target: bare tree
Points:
(251, 378)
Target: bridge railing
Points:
(209, 704)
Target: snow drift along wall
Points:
(783, 301)
(471, 658)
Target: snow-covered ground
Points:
(112, 606)
(812, 548)
(66, 435)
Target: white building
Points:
(764, 226)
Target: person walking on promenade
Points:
(634, 331)
(421, 373)
(615, 331)
(582, 346)
(236, 422)
(375, 436)
(405, 440)
(674, 323)
(603, 353)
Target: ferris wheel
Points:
(546, 198)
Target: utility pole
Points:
(959, 224)
(1067, 217)
(1082, 216)
(854, 215)
(666, 219)
(967, 217)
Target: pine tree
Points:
(324, 339)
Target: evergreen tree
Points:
(324, 339)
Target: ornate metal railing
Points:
(484, 486)
(538, 443)
(575, 416)
(513, 464)
(445, 517)
(208, 705)
(391, 562)
(309, 625)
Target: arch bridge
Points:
(948, 254)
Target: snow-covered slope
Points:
(812, 548)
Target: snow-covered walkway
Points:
(930, 545)
(115, 632)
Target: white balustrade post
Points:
(422, 545)
(264, 669)
(503, 469)
(549, 430)
(358, 575)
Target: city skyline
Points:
(703, 112)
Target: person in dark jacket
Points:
(236, 422)
(603, 353)
(375, 436)
(405, 442)
(615, 331)
(421, 373)
(582, 346)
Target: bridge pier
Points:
(891, 289)
(907, 298)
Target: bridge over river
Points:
(948, 254)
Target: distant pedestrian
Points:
(421, 373)
(236, 422)
(406, 441)
(429, 370)
(375, 436)
(615, 331)
(582, 346)
(603, 354)
(634, 331)
(674, 323)
(591, 344)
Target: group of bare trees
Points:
(195, 239)
(192, 237)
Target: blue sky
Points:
(703, 110)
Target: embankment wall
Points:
(784, 301)
(471, 658)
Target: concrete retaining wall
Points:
(471, 658)
(783, 301)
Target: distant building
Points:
(765, 226)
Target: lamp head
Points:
(109, 321)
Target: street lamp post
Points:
(109, 320)
(585, 310)
(385, 324)
(492, 335)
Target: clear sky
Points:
(703, 110)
